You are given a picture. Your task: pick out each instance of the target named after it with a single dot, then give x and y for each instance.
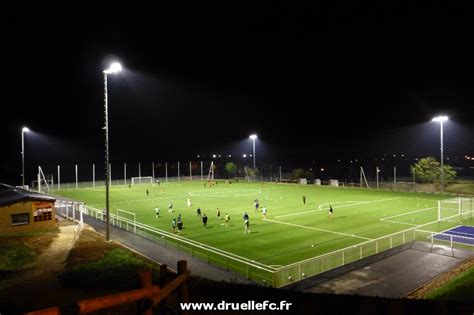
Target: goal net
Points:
(455, 209)
(142, 180)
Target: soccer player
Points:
(189, 202)
(226, 219)
(264, 211)
(130, 186)
(218, 214)
(173, 225)
(304, 199)
(330, 212)
(199, 212)
(157, 212)
(180, 223)
(256, 205)
(204, 220)
(170, 207)
(147, 192)
(246, 216)
(247, 226)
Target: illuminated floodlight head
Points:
(253, 137)
(115, 67)
(440, 118)
(25, 129)
(244, 155)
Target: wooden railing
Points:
(148, 297)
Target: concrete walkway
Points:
(394, 276)
(165, 255)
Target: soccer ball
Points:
(312, 245)
(289, 278)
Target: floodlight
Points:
(440, 118)
(253, 137)
(25, 129)
(115, 67)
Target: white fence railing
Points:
(278, 277)
(71, 210)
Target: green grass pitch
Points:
(293, 231)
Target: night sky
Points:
(315, 83)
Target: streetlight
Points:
(253, 137)
(23, 130)
(441, 119)
(113, 69)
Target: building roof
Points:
(10, 195)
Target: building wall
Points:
(41, 215)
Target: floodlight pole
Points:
(442, 157)
(114, 68)
(254, 155)
(377, 176)
(23, 157)
(107, 179)
(441, 120)
(253, 137)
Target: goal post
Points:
(42, 184)
(455, 209)
(210, 176)
(142, 180)
(126, 217)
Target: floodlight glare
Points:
(115, 67)
(25, 129)
(253, 137)
(440, 118)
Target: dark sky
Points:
(315, 82)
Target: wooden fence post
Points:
(162, 283)
(145, 306)
(183, 293)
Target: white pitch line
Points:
(407, 213)
(298, 213)
(321, 230)
(95, 189)
(397, 222)
(348, 205)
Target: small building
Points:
(22, 210)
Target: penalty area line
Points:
(321, 230)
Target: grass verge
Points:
(460, 288)
(94, 263)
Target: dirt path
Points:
(42, 274)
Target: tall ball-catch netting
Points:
(455, 209)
